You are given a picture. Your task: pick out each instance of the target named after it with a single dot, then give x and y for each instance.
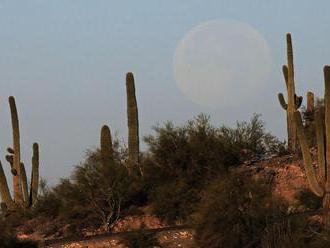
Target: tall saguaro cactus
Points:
(293, 102)
(320, 187)
(132, 121)
(18, 196)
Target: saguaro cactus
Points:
(293, 102)
(132, 121)
(18, 196)
(34, 174)
(320, 187)
(106, 146)
(22, 198)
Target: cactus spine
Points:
(132, 121)
(322, 187)
(294, 102)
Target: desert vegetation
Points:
(196, 174)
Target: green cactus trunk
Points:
(34, 175)
(18, 196)
(132, 121)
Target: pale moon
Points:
(222, 64)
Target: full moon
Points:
(222, 64)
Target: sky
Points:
(65, 63)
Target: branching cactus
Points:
(293, 101)
(132, 121)
(320, 184)
(22, 198)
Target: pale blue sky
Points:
(65, 62)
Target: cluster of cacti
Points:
(293, 101)
(133, 129)
(319, 184)
(22, 197)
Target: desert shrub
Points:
(95, 194)
(236, 211)
(175, 201)
(192, 151)
(181, 160)
(253, 137)
(48, 204)
(240, 212)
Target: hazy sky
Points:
(65, 62)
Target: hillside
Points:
(283, 174)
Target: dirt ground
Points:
(167, 239)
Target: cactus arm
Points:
(285, 74)
(282, 101)
(319, 128)
(18, 197)
(34, 174)
(4, 190)
(309, 170)
(106, 146)
(24, 184)
(132, 120)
